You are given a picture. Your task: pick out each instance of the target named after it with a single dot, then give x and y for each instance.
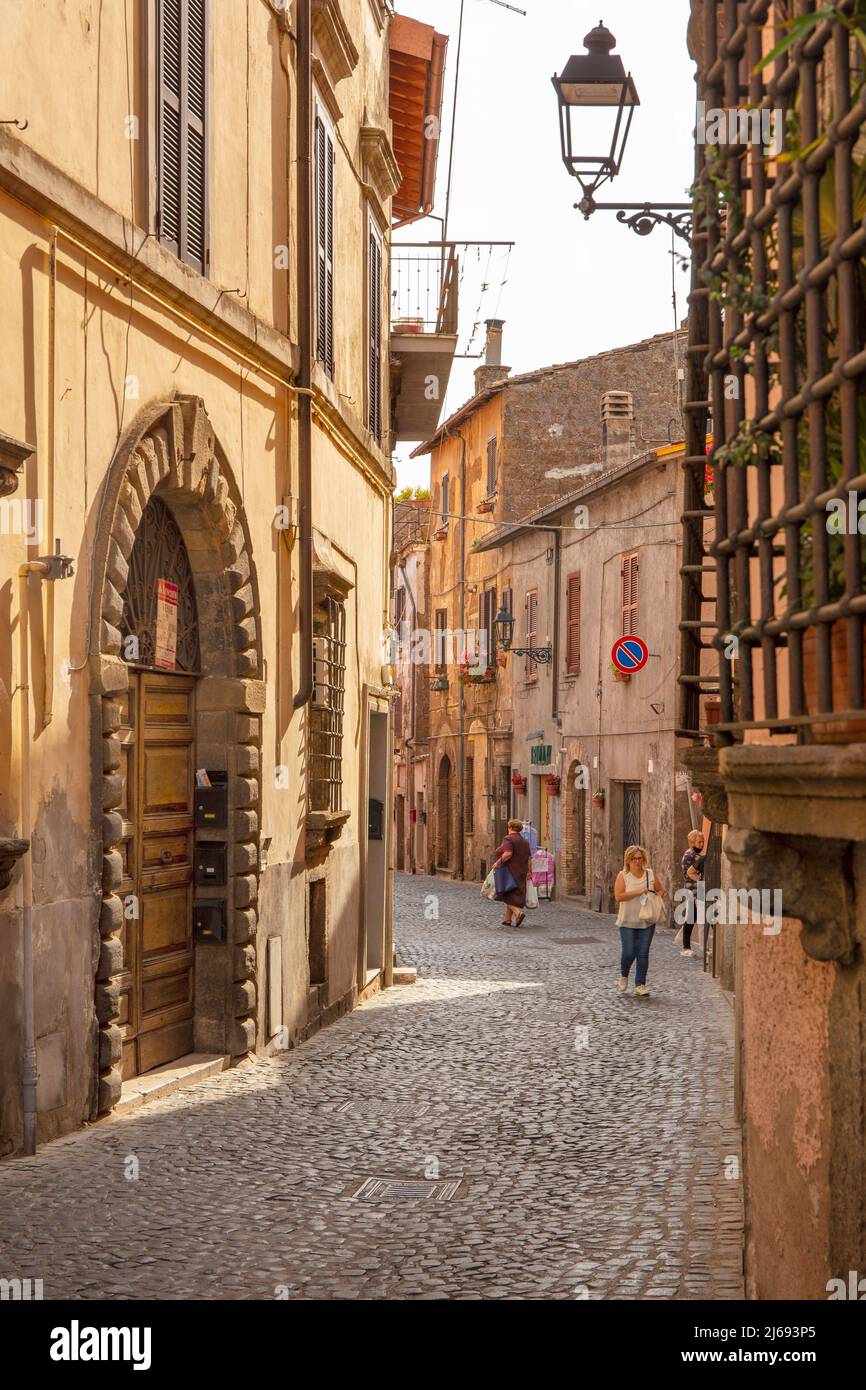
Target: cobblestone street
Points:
(587, 1136)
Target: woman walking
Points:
(640, 897)
(514, 852)
(693, 872)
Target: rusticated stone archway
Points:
(171, 452)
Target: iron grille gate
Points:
(630, 814)
(776, 371)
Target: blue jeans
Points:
(636, 942)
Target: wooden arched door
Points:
(159, 628)
(443, 815)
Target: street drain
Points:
(574, 941)
(406, 1190)
(398, 1110)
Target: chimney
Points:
(617, 427)
(492, 369)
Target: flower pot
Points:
(441, 534)
(598, 799)
(621, 676)
(486, 506)
(837, 730)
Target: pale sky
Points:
(573, 287)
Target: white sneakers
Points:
(687, 953)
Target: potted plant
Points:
(440, 534)
(619, 675)
(486, 505)
(553, 784)
(439, 683)
(598, 798)
(518, 783)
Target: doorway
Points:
(400, 833)
(157, 769)
(630, 814)
(377, 762)
(443, 814)
(575, 847)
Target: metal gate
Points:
(630, 814)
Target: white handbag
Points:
(531, 896)
(651, 906)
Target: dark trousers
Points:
(636, 942)
(689, 923)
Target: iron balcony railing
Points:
(773, 556)
(424, 283)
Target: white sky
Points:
(574, 287)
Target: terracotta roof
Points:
(416, 91)
(520, 380)
(510, 530)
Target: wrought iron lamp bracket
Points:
(543, 655)
(643, 218)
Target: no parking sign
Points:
(630, 654)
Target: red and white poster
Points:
(166, 624)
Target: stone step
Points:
(165, 1080)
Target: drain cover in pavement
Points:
(575, 941)
(406, 1189)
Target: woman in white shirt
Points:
(635, 887)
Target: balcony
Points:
(424, 307)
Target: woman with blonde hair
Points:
(693, 873)
(641, 903)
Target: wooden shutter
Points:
(629, 594)
(181, 129)
(489, 624)
(491, 466)
(531, 626)
(374, 314)
(445, 499)
(440, 656)
(469, 797)
(324, 246)
(572, 626)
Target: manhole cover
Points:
(406, 1190)
(575, 941)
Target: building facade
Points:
(519, 443)
(195, 714)
(772, 584)
(594, 750)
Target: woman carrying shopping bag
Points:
(512, 872)
(641, 905)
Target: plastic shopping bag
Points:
(531, 896)
(488, 888)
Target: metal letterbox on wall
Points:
(209, 920)
(212, 803)
(210, 863)
(376, 820)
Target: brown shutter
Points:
(531, 667)
(324, 247)
(374, 312)
(572, 620)
(181, 133)
(440, 656)
(491, 466)
(629, 594)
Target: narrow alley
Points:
(506, 1128)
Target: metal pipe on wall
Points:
(305, 343)
(28, 1061)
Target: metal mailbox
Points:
(210, 863)
(212, 803)
(209, 920)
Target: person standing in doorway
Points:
(636, 889)
(693, 873)
(516, 854)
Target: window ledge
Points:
(324, 827)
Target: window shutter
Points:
(324, 246)
(169, 158)
(440, 656)
(375, 319)
(531, 625)
(182, 137)
(629, 594)
(445, 499)
(572, 641)
(491, 466)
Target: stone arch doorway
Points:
(443, 814)
(169, 498)
(576, 843)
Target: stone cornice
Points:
(380, 12)
(41, 185)
(381, 169)
(817, 790)
(334, 39)
(13, 454)
(325, 88)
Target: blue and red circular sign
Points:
(630, 654)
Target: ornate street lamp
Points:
(504, 624)
(597, 80)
